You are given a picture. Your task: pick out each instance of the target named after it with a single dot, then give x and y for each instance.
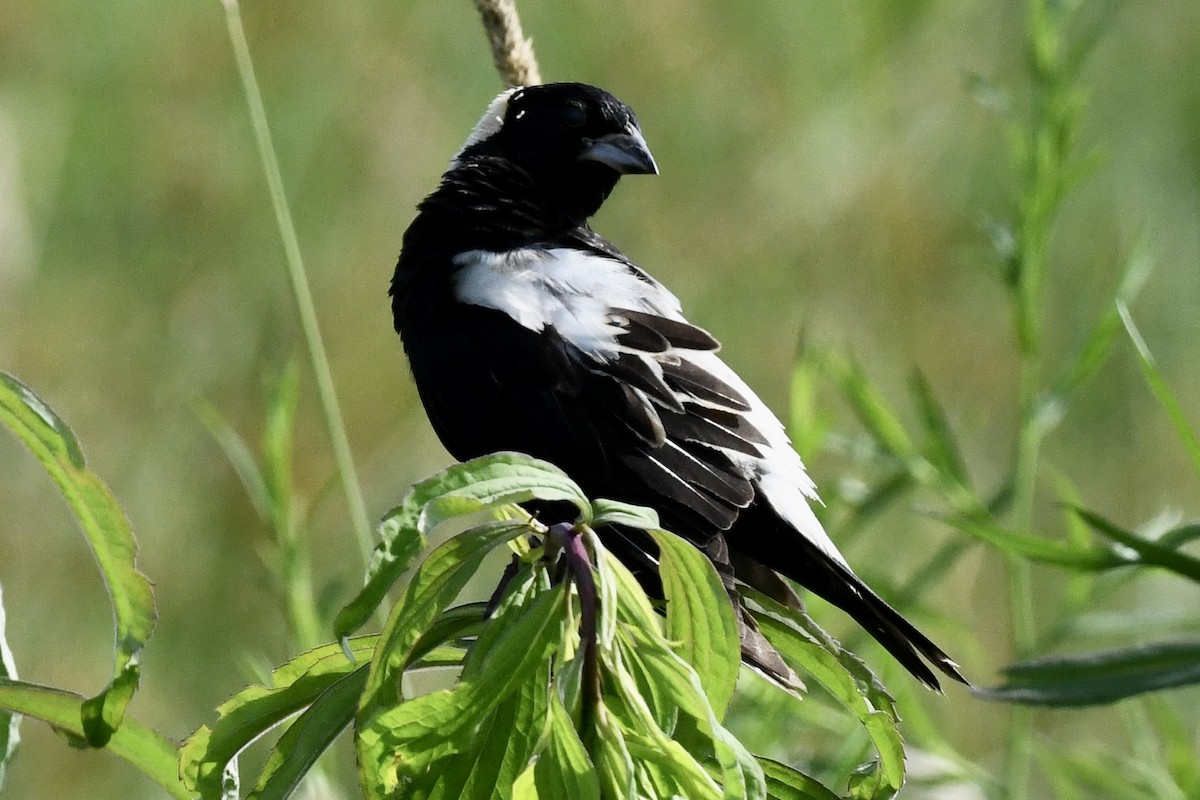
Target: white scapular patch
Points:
(492, 121)
(572, 292)
(575, 293)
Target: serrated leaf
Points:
(244, 717)
(437, 582)
(110, 536)
(825, 662)
(488, 482)
(145, 750)
(308, 736)
(1100, 677)
(614, 765)
(564, 769)
(409, 736)
(700, 618)
(9, 723)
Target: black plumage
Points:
(527, 331)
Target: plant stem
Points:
(334, 422)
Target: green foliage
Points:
(573, 686)
(108, 533)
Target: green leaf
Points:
(489, 482)
(1158, 386)
(786, 783)
(410, 736)
(145, 750)
(849, 681)
(1041, 548)
(308, 737)
(1150, 552)
(941, 448)
(438, 580)
(1100, 677)
(700, 618)
(237, 452)
(256, 709)
(563, 769)
(872, 410)
(614, 765)
(613, 512)
(9, 723)
(110, 536)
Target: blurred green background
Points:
(824, 169)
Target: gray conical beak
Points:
(626, 152)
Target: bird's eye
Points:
(574, 114)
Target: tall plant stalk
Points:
(334, 422)
(1043, 153)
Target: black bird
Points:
(527, 331)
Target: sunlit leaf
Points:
(145, 750)
(941, 447)
(1101, 677)
(564, 769)
(700, 619)
(850, 682)
(437, 582)
(786, 783)
(109, 534)
(247, 714)
(488, 482)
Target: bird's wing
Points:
(687, 429)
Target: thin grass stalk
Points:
(301, 294)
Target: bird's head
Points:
(575, 141)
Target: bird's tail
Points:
(766, 538)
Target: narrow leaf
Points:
(109, 534)
(244, 717)
(147, 751)
(1041, 548)
(1166, 398)
(941, 447)
(436, 584)
(1150, 552)
(488, 482)
(308, 737)
(1101, 677)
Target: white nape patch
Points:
(491, 122)
(572, 292)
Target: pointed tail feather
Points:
(761, 535)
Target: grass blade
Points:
(334, 422)
(1159, 387)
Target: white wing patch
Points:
(575, 294)
(572, 292)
